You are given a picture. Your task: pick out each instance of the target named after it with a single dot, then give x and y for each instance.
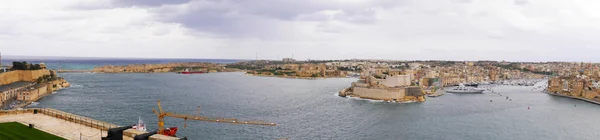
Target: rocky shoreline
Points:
(579, 98)
(294, 77)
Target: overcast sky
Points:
(515, 30)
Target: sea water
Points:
(306, 109)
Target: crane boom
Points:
(221, 120)
(161, 115)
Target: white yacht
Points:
(463, 89)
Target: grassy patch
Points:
(18, 131)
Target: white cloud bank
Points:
(517, 30)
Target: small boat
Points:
(464, 89)
(171, 131)
(140, 126)
(33, 104)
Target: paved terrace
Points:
(69, 126)
(62, 128)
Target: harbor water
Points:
(309, 109)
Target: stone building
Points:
(10, 92)
(288, 60)
(32, 93)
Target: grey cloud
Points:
(218, 17)
(148, 2)
(521, 2)
(463, 1)
(364, 17)
(240, 17)
(123, 3)
(290, 9)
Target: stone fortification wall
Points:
(33, 75)
(380, 93)
(9, 77)
(397, 80)
(22, 75)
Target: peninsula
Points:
(169, 67)
(409, 81)
(290, 68)
(24, 83)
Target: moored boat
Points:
(140, 125)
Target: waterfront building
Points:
(32, 93)
(574, 86)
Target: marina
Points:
(464, 89)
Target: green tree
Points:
(39, 80)
(35, 67)
(430, 82)
(52, 75)
(19, 65)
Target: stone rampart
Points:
(22, 75)
(380, 93)
(9, 77)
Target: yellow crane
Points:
(161, 123)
